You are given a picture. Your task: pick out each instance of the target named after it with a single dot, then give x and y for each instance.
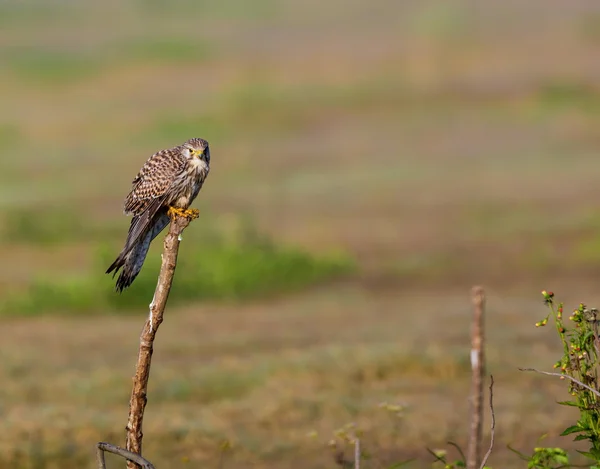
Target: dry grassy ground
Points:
(265, 376)
(438, 145)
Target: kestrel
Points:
(164, 188)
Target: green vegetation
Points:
(179, 127)
(170, 50)
(232, 9)
(43, 226)
(50, 67)
(34, 13)
(9, 136)
(214, 268)
(580, 339)
(565, 96)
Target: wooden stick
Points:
(477, 378)
(102, 447)
(138, 400)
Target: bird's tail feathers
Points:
(131, 264)
(127, 275)
(132, 259)
(131, 268)
(116, 265)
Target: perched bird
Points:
(164, 188)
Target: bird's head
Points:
(197, 148)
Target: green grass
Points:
(32, 13)
(230, 9)
(209, 268)
(55, 66)
(179, 127)
(218, 384)
(47, 226)
(564, 96)
(9, 136)
(168, 50)
(51, 67)
(590, 27)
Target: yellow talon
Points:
(190, 213)
(174, 212)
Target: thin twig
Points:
(437, 458)
(356, 453)
(477, 373)
(493, 426)
(138, 400)
(459, 449)
(563, 376)
(102, 447)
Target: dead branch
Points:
(560, 375)
(138, 400)
(478, 371)
(492, 427)
(102, 447)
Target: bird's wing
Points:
(150, 189)
(153, 180)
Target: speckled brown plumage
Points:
(169, 179)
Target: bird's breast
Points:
(191, 182)
(200, 166)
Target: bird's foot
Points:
(191, 213)
(175, 212)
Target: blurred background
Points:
(371, 161)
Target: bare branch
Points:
(493, 426)
(563, 376)
(477, 373)
(356, 453)
(137, 403)
(100, 456)
(102, 447)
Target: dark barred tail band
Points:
(127, 275)
(131, 264)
